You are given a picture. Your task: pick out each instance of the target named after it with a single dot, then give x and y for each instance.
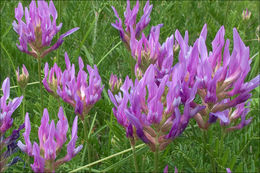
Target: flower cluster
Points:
(151, 104)
(130, 21)
(150, 111)
(51, 141)
(39, 29)
(82, 91)
(7, 110)
(221, 78)
(8, 144)
(146, 50)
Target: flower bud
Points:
(246, 14)
(23, 78)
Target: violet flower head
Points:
(8, 144)
(221, 77)
(81, 91)
(130, 21)
(38, 29)
(23, 78)
(147, 107)
(6, 110)
(144, 49)
(51, 140)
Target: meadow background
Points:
(97, 42)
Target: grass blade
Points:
(102, 59)
(106, 158)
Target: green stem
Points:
(23, 93)
(134, 157)
(156, 155)
(87, 141)
(40, 85)
(143, 160)
(205, 145)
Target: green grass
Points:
(97, 42)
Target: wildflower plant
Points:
(149, 107)
(39, 29)
(144, 49)
(80, 90)
(38, 32)
(150, 111)
(222, 87)
(8, 145)
(51, 140)
(155, 105)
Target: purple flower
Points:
(82, 91)
(149, 107)
(39, 29)
(27, 148)
(39, 162)
(71, 150)
(130, 21)
(8, 144)
(23, 78)
(115, 83)
(221, 77)
(228, 170)
(145, 50)
(6, 110)
(51, 141)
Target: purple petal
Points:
(138, 126)
(165, 169)
(39, 162)
(60, 40)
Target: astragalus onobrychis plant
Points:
(149, 108)
(179, 84)
(51, 140)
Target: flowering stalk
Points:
(22, 80)
(51, 141)
(148, 110)
(39, 29)
(132, 143)
(38, 32)
(156, 156)
(76, 90)
(40, 85)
